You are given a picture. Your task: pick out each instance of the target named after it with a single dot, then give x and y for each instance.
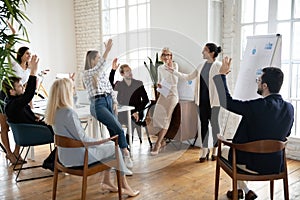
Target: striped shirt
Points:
(97, 82)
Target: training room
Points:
(150, 99)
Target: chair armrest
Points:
(224, 141)
(113, 138)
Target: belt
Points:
(101, 95)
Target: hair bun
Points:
(219, 49)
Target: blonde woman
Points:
(65, 122)
(166, 102)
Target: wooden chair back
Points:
(86, 170)
(260, 146)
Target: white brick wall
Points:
(231, 46)
(87, 31)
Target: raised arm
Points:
(108, 46)
(112, 73)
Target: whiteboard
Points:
(261, 51)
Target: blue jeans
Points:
(102, 109)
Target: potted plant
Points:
(152, 69)
(10, 10)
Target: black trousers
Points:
(208, 114)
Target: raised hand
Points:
(72, 76)
(34, 65)
(115, 64)
(11, 27)
(225, 68)
(108, 46)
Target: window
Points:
(260, 17)
(128, 22)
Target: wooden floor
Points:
(173, 174)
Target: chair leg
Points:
(140, 133)
(54, 188)
(149, 140)
(84, 186)
(272, 189)
(286, 188)
(217, 179)
(119, 183)
(235, 191)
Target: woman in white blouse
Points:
(166, 101)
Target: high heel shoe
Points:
(107, 188)
(202, 159)
(213, 157)
(132, 193)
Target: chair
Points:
(142, 122)
(260, 146)
(85, 170)
(29, 135)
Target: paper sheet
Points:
(165, 88)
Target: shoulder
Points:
(65, 112)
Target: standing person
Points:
(65, 121)
(206, 97)
(102, 97)
(165, 104)
(264, 118)
(131, 92)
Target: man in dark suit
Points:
(269, 117)
(17, 108)
(131, 92)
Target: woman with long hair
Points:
(65, 122)
(103, 99)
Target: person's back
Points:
(265, 118)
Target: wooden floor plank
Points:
(173, 174)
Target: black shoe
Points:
(48, 165)
(240, 194)
(213, 158)
(250, 195)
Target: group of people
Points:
(269, 117)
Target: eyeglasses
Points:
(166, 54)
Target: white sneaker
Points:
(128, 173)
(128, 162)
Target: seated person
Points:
(131, 92)
(264, 118)
(17, 108)
(65, 121)
(11, 156)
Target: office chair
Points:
(29, 135)
(142, 122)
